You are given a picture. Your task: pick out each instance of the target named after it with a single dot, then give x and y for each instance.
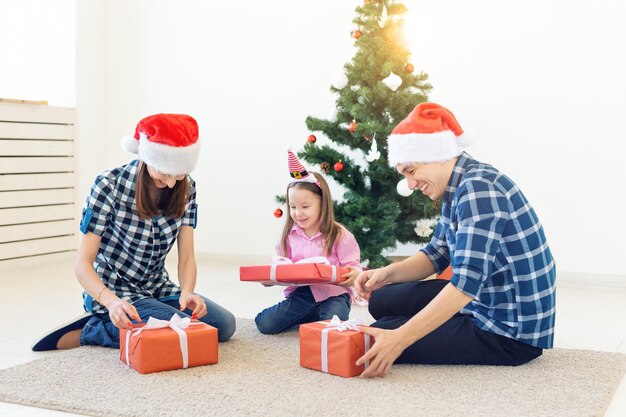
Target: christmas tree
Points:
(378, 89)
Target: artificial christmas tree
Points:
(377, 91)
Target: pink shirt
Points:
(345, 252)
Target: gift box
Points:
(445, 274)
(293, 274)
(161, 345)
(333, 346)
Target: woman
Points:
(131, 219)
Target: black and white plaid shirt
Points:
(131, 258)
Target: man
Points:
(499, 306)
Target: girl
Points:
(311, 230)
(131, 219)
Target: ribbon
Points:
(280, 260)
(176, 323)
(336, 324)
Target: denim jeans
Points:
(300, 307)
(101, 332)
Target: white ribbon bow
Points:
(176, 323)
(280, 260)
(336, 324)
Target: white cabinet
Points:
(37, 181)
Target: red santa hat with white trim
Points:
(430, 133)
(297, 172)
(167, 142)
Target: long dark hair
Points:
(170, 201)
(329, 228)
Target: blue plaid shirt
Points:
(495, 243)
(131, 257)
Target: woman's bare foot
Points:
(69, 340)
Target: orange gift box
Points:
(325, 348)
(161, 349)
(445, 274)
(290, 274)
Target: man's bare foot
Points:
(69, 340)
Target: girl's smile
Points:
(304, 209)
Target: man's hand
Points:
(371, 280)
(388, 345)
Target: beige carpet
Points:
(260, 375)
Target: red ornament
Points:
(357, 34)
(311, 139)
(409, 67)
(338, 166)
(352, 127)
(278, 213)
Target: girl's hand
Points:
(121, 312)
(350, 276)
(371, 280)
(194, 302)
(389, 344)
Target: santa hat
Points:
(430, 133)
(297, 172)
(167, 142)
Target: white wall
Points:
(541, 83)
(249, 72)
(93, 137)
(37, 58)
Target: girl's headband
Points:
(297, 172)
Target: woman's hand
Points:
(194, 302)
(350, 276)
(121, 312)
(388, 345)
(371, 280)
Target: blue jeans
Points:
(101, 332)
(300, 307)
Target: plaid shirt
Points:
(495, 243)
(131, 258)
